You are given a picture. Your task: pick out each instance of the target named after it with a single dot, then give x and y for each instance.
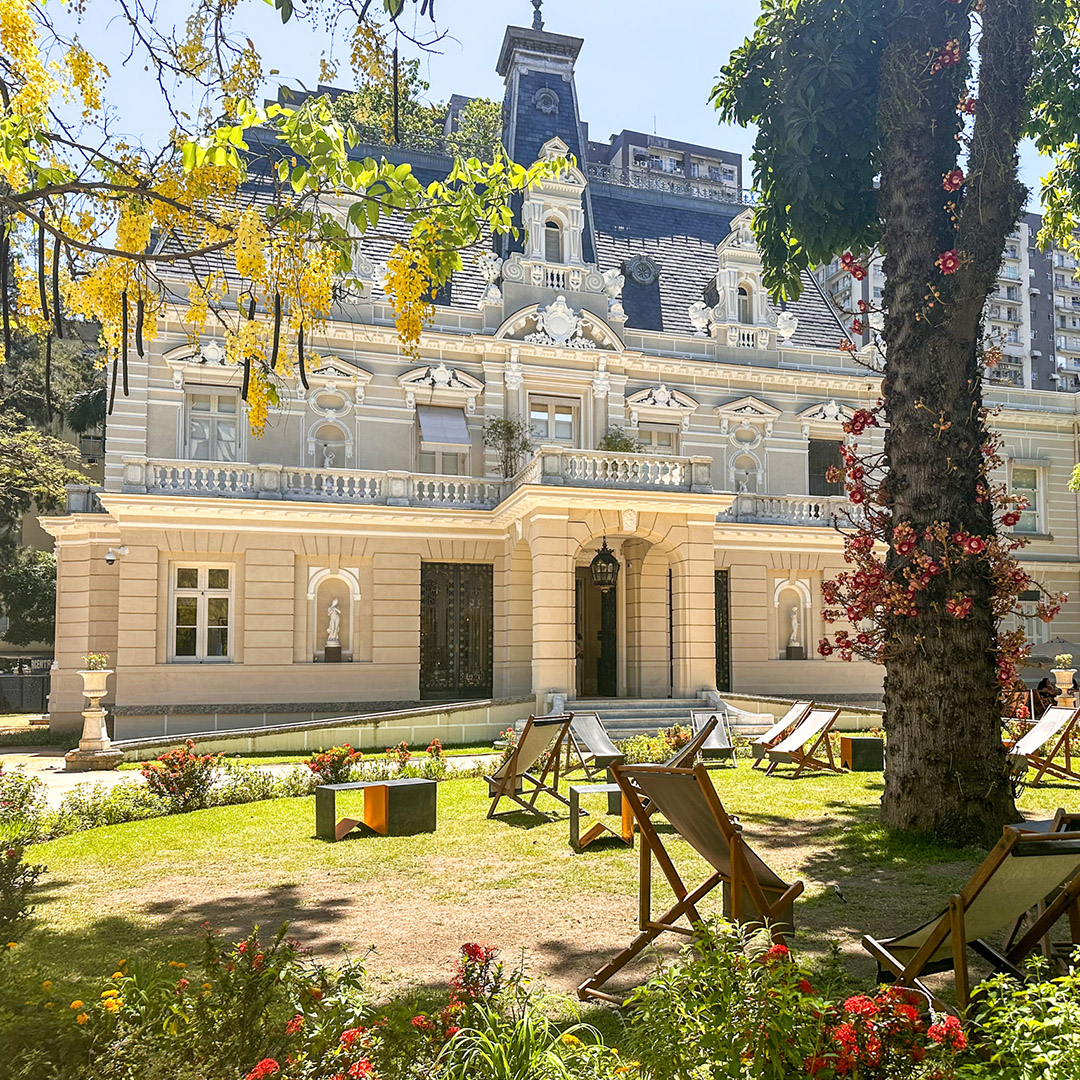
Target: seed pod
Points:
(41, 273)
(58, 318)
(112, 390)
(251, 309)
(4, 289)
(124, 337)
(140, 310)
(277, 331)
(300, 356)
(48, 377)
(247, 376)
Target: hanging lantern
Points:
(604, 568)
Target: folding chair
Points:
(814, 728)
(753, 894)
(590, 743)
(766, 742)
(1022, 870)
(1054, 726)
(719, 746)
(540, 735)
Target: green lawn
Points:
(270, 758)
(144, 888)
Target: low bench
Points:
(391, 808)
(616, 804)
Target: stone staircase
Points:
(626, 717)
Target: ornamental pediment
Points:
(328, 376)
(560, 325)
(438, 384)
(748, 409)
(660, 404)
(826, 412)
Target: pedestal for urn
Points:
(95, 751)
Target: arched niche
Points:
(330, 445)
(792, 595)
(747, 475)
(325, 586)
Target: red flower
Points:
(974, 545)
(452, 1031)
(294, 1025)
(856, 495)
(266, 1067)
(959, 608)
(824, 648)
(362, 1068)
(863, 305)
(949, 1033)
(805, 987)
(350, 1036)
(967, 105)
(905, 547)
(847, 260)
(953, 181)
(777, 952)
(858, 272)
(948, 262)
(1010, 519)
(861, 1005)
(814, 1065)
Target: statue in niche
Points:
(327, 457)
(333, 624)
(793, 641)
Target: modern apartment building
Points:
(368, 549)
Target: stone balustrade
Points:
(613, 469)
(791, 510)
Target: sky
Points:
(638, 69)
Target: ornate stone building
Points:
(624, 303)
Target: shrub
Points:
(617, 439)
(509, 740)
(23, 808)
(16, 880)
(734, 1005)
(400, 753)
(88, 807)
(182, 776)
(1028, 1031)
(334, 766)
(435, 749)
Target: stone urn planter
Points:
(95, 750)
(1064, 679)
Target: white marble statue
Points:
(327, 457)
(333, 624)
(793, 641)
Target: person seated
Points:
(1046, 694)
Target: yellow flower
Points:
(46, 985)
(206, 986)
(48, 1004)
(121, 963)
(110, 993)
(76, 1005)
(113, 1004)
(117, 974)
(81, 1018)
(571, 1040)
(12, 944)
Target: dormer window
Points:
(745, 306)
(552, 242)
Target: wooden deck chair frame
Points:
(951, 923)
(721, 755)
(686, 899)
(1045, 763)
(539, 784)
(784, 726)
(806, 759)
(586, 759)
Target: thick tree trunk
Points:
(946, 770)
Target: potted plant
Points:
(1064, 672)
(95, 675)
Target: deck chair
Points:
(814, 729)
(753, 894)
(719, 746)
(1053, 729)
(540, 735)
(590, 743)
(763, 743)
(1019, 705)
(1021, 871)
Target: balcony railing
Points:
(791, 510)
(552, 465)
(606, 468)
(657, 180)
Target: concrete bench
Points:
(391, 808)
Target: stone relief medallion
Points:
(559, 324)
(629, 521)
(546, 101)
(641, 269)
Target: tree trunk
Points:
(947, 771)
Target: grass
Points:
(145, 887)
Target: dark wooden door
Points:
(456, 616)
(723, 630)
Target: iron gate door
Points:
(723, 630)
(456, 615)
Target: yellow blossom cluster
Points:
(409, 288)
(19, 42)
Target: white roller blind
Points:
(443, 429)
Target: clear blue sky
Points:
(642, 63)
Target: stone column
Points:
(553, 551)
(694, 611)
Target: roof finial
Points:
(538, 22)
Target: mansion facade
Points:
(368, 550)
